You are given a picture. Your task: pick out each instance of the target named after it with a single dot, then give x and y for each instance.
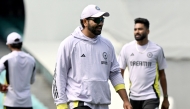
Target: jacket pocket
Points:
(96, 92)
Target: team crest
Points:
(105, 56)
(149, 54)
(97, 8)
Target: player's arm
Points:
(161, 66)
(118, 83)
(123, 94)
(3, 87)
(33, 75)
(122, 61)
(163, 83)
(119, 86)
(60, 76)
(2, 66)
(122, 72)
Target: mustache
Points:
(99, 27)
(137, 34)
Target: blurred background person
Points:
(20, 74)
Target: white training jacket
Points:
(83, 68)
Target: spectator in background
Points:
(20, 74)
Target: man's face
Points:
(95, 25)
(140, 32)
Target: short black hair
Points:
(143, 21)
(16, 46)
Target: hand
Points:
(127, 105)
(165, 104)
(3, 88)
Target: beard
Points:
(94, 29)
(141, 37)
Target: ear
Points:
(85, 22)
(148, 31)
(9, 46)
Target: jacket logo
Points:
(83, 55)
(105, 56)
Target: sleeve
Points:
(161, 60)
(2, 66)
(33, 74)
(62, 106)
(115, 74)
(60, 74)
(122, 60)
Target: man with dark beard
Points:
(146, 63)
(85, 63)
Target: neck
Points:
(88, 33)
(142, 42)
(15, 49)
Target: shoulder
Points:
(129, 45)
(155, 46)
(5, 58)
(29, 56)
(68, 41)
(106, 41)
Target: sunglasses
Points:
(96, 20)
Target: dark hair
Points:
(143, 21)
(81, 22)
(17, 46)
